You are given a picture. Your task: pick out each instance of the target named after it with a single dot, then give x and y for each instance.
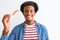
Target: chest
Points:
(30, 33)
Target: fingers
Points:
(15, 12)
(6, 18)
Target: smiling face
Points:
(29, 13)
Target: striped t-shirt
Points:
(30, 32)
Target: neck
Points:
(30, 22)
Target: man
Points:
(29, 30)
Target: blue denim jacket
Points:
(18, 32)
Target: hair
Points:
(27, 3)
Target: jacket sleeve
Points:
(10, 37)
(5, 37)
(44, 33)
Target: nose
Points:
(29, 13)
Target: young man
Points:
(29, 30)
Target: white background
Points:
(48, 15)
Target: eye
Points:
(31, 11)
(25, 11)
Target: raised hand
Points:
(6, 22)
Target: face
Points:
(29, 13)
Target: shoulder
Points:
(42, 27)
(17, 28)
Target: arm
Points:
(10, 37)
(6, 24)
(44, 33)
